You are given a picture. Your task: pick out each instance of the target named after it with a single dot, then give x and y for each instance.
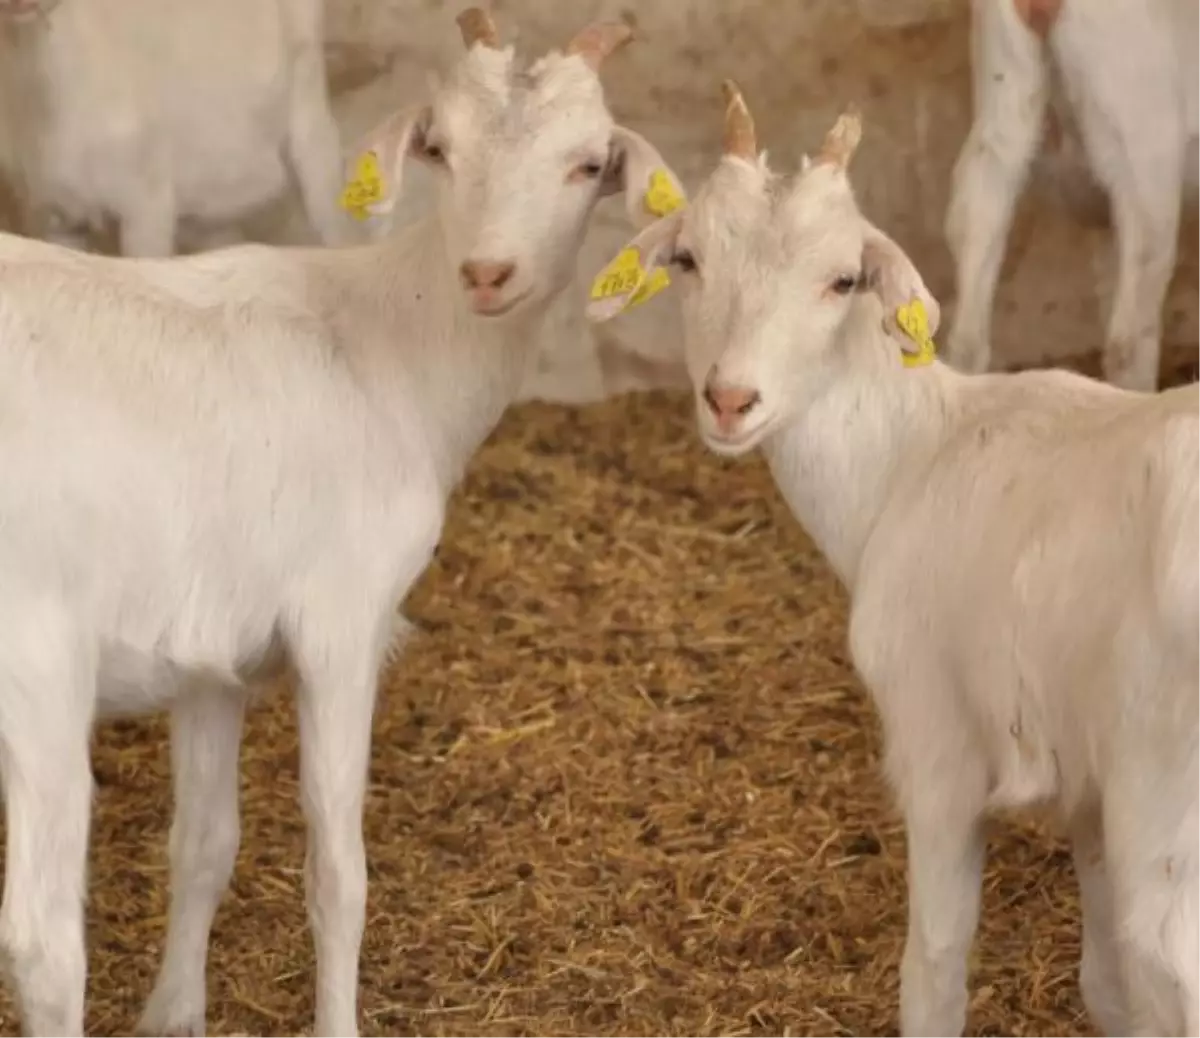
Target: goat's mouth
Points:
(737, 444)
(491, 307)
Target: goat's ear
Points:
(891, 275)
(637, 272)
(635, 167)
(377, 171)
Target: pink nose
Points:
(729, 404)
(486, 273)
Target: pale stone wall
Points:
(798, 62)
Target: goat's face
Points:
(522, 156)
(770, 270)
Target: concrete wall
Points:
(798, 62)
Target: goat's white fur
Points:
(214, 464)
(1129, 71)
(166, 116)
(1021, 553)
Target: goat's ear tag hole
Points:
(914, 322)
(365, 188)
(662, 197)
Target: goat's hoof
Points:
(171, 1017)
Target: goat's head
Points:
(770, 270)
(522, 155)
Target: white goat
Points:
(158, 113)
(1129, 69)
(1021, 552)
(214, 464)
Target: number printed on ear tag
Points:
(623, 276)
(365, 188)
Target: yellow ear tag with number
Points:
(365, 188)
(914, 322)
(662, 198)
(625, 275)
(622, 276)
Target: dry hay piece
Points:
(624, 782)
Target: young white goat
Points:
(158, 113)
(1129, 69)
(1021, 552)
(214, 464)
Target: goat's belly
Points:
(234, 190)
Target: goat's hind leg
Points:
(1100, 979)
(1130, 118)
(47, 688)
(1151, 842)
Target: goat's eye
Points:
(435, 153)
(844, 284)
(684, 260)
(592, 169)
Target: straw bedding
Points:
(624, 782)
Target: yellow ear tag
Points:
(914, 322)
(365, 188)
(662, 198)
(622, 276)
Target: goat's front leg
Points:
(206, 735)
(945, 871)
(336, 703)
(48, 690)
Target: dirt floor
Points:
(624, 782)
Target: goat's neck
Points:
(458, 371)
(837, 464)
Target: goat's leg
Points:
(1100, 978)
(206, 733)
(147, 220)
(314, 147)
(945, 873)
(1132, 125)
(1009, 79)
(336, 699)
(49, 698)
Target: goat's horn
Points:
(841, 141)
(739, 124)
(598, 41)
(476, 26)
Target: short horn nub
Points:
(841, 141)
(598, 41)
(476, 26)
(739, 125)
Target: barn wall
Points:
(903, 61)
